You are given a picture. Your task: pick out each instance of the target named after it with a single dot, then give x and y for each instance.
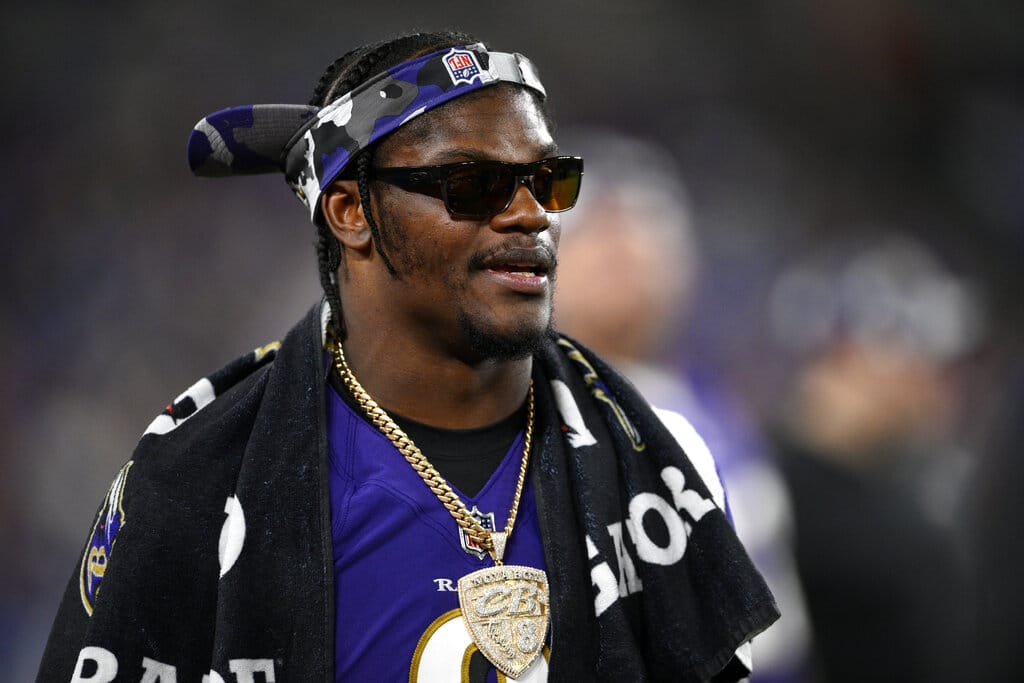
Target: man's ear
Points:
(343, 212)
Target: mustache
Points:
(517, 250)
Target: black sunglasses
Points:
(481, 189)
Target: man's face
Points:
(479, 288)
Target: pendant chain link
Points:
(428, 473)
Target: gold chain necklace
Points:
(505, 607)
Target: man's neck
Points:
(434, 387)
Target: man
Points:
(422, 481)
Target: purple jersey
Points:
(398, 556)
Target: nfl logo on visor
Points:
(468, 544)
(462, 66)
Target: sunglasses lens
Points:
(556, 183)
(479, 190)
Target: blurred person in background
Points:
(866, 447)
(628, 273)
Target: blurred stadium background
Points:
(802, 130)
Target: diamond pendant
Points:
(505, 609)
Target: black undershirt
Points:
(466, 458)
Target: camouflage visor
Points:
(313, 146)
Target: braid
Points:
(328, 254)
(363, 68)
(363, 165)
(342, 76)
(328, 77)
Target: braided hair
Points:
(340, 77)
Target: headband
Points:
(313, 145)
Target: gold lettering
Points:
(97, 561)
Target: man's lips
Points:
(539, 260)
(521, 269)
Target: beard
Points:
(523, 342)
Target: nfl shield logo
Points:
(468, 544)
(462, 66)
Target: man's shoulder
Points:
(233, 379)
(235, 391)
